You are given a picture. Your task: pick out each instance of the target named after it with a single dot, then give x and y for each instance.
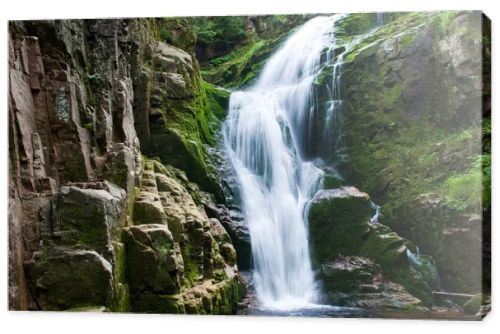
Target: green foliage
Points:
(164, 248)
(222, 30)
(164, 33)
(234, 55)
(463, 191)
(445, 19)
(241, 66)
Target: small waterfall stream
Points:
(264, 136)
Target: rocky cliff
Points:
(93, 222)
(414, 127)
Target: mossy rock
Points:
(188, 155)
(332, 181)
(89, 215)
(66, 279)
(338, 220)
(339, 225)
(148, 209)
(151, 261)
(158, 303)
(473, 305)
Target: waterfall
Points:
(264, 136)
(380, 19)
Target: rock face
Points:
(361, 263)
(180, 261)
(412, 129)
(93, 224)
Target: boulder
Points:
(67, 278)
(233, 224)
(174, 76)
(359, 282)
(153, 261)
(338, 222)
(148, 209)
(473, 305)
(88, 216)
(339, 225)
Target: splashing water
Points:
(264, 135)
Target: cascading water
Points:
(264, 135)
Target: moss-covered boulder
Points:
(153, 261)
(66, 278)
(340, 225)
(185, 262)
(338, 222)
(473, 305)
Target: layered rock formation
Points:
(93, 224)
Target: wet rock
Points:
(235, 227)
(338, 222)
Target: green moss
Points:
(406, 40)
(463, 192)
(121, 302)
(188, 126)
(164, 248)
(413, 282)
(445, 19)
(217, 99)
(386, 248)
(473, 305)
(239, 67)
(338, 227)
(331, 181)
(119, 269)
(356, 24)
(154, 303)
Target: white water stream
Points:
(263, 135)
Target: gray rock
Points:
(153, 261)
(88, 215)
(148, 209)
(72, 278)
